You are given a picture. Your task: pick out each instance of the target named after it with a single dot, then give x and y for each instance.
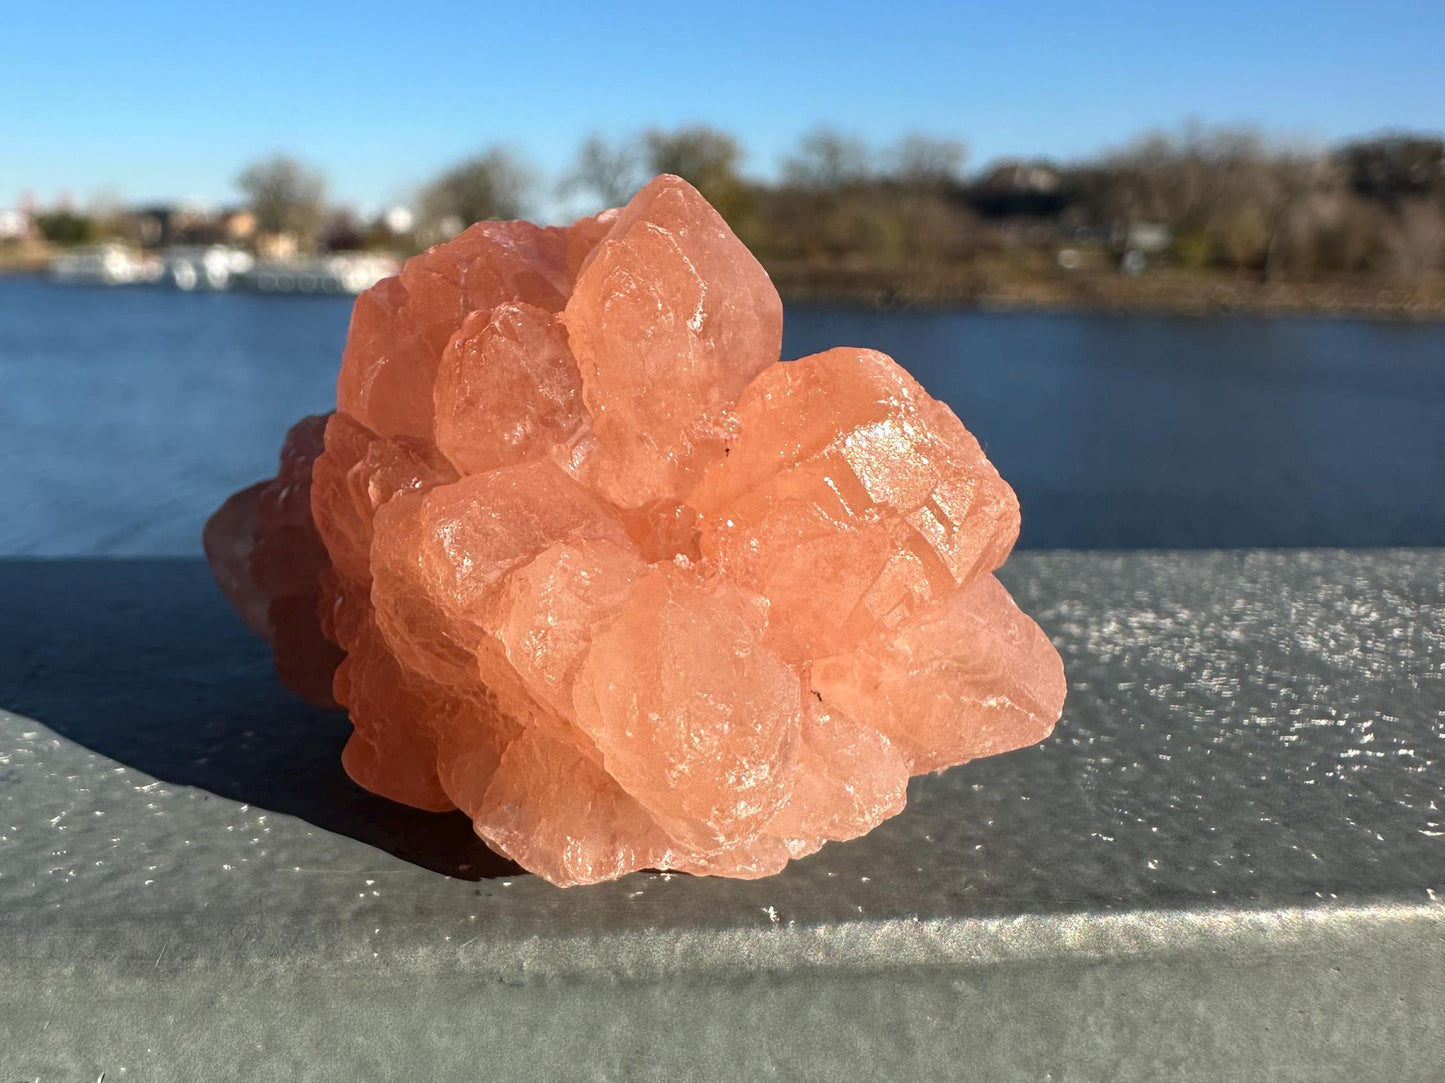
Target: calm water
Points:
(126, 416)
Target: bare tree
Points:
(1346, 237)
(706, 158)
(1226, 194)
(492, 185)
(610, 172)
(107, 210)
(1417, 240)
(286, 196)
(828, 160)
(702, 156)
(926, 162)
(1284, 190)
(1185, 179)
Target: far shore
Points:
(1157, 292)
(1164, 291)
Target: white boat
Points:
(205, 267)
(343, 273)
(105, 265)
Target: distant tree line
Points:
(1234, 201)
(1220, 199)
(1225, 200)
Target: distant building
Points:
(1148, 237)
(163, 225)
(276, 246)
(1023, 177)
(16, 225)
(1020, 190)
(1137, 242)
(239, 224)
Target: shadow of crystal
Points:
(163, 678)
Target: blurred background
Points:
(1182, 272)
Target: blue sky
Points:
(162, 99)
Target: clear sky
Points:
(161, 99)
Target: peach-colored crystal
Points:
(584, 559)
(670, 318)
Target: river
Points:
(126, 415)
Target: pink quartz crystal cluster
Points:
(584, 559)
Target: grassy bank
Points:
(1006, 286)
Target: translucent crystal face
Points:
(584, 559)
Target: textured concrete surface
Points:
(1227, 864)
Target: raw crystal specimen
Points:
(584, 559)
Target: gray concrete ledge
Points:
(1229, 863)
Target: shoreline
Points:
(1158, 293)
(1164, 292)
